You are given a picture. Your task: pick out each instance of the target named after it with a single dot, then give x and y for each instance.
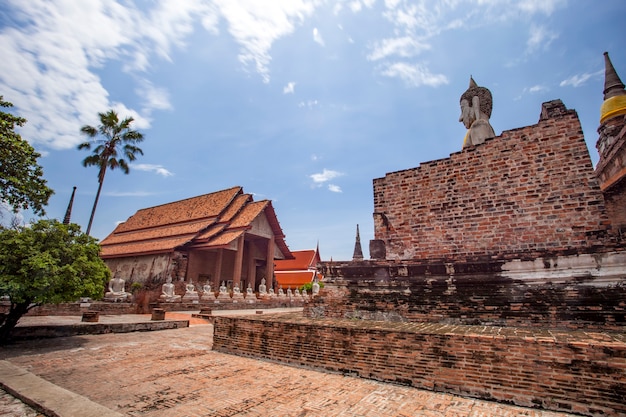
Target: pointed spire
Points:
(68, 212)
(358, 252)
(472, 83)
(613, 86)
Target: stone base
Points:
(158, 314)
(191, 298)
(117, 298)
(91, 317)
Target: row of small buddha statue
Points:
(191, 294)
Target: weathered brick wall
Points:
(616, 207)
(528, 191)
(575, 292)
(575, 372)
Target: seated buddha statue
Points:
(167, 292)
(115, 291)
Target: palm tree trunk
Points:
(95, 203)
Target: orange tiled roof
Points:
(202, 207)
(303, 259)
(293, 279)
(208, 221)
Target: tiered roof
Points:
(299, 270)
(208, 221)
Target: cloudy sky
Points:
(303, 102)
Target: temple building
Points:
(221, 236)
(300, 270)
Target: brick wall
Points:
(569, 371)
(528, 191)
(575, 292)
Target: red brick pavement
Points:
(175, 373)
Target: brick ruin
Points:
(497, 273)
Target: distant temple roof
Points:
(209, 221)
(299, 270)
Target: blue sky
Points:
(302, 102)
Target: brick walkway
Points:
(175, 373)
(12, 407)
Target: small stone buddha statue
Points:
(262, 287)
(167, 292)
(476, 105)
(190, 293)
(315, 287)
(207, 292)
(116, 291)
(223, 294)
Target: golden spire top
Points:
(614, 92)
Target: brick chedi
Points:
(529, 192)
(611, 145)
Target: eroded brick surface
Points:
(175, 373)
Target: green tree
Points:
(47, 263)
(21, 182)
(117, 137)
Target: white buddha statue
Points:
(167, 292)
(190, 293)
(207, 292)
(316, 287)
(262, 288)
(116, 291)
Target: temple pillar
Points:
(251, 269)
(238, 262)
(218, 268)
(269, 267)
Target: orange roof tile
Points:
(195, 208)
(303, 259)
(158, 232)
(247, 215)
(150, 246)
(207, 221)
(224, 238)
(294, 278)
(234, 208)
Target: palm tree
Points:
(115, 135)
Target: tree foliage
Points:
(21, 178)
(110, 139)
(47, 263)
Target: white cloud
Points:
(49, 57)
(540, 38)
(308, 104)
(324, 176)
(414, 75)
(158, 169)
(539, 6)
(405, 47)
(579, 79)
(334, 188)
(155, 98)
(289, 88)
(257, 25)
(317, 37)
(537, 89)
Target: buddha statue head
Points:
(476, 105)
